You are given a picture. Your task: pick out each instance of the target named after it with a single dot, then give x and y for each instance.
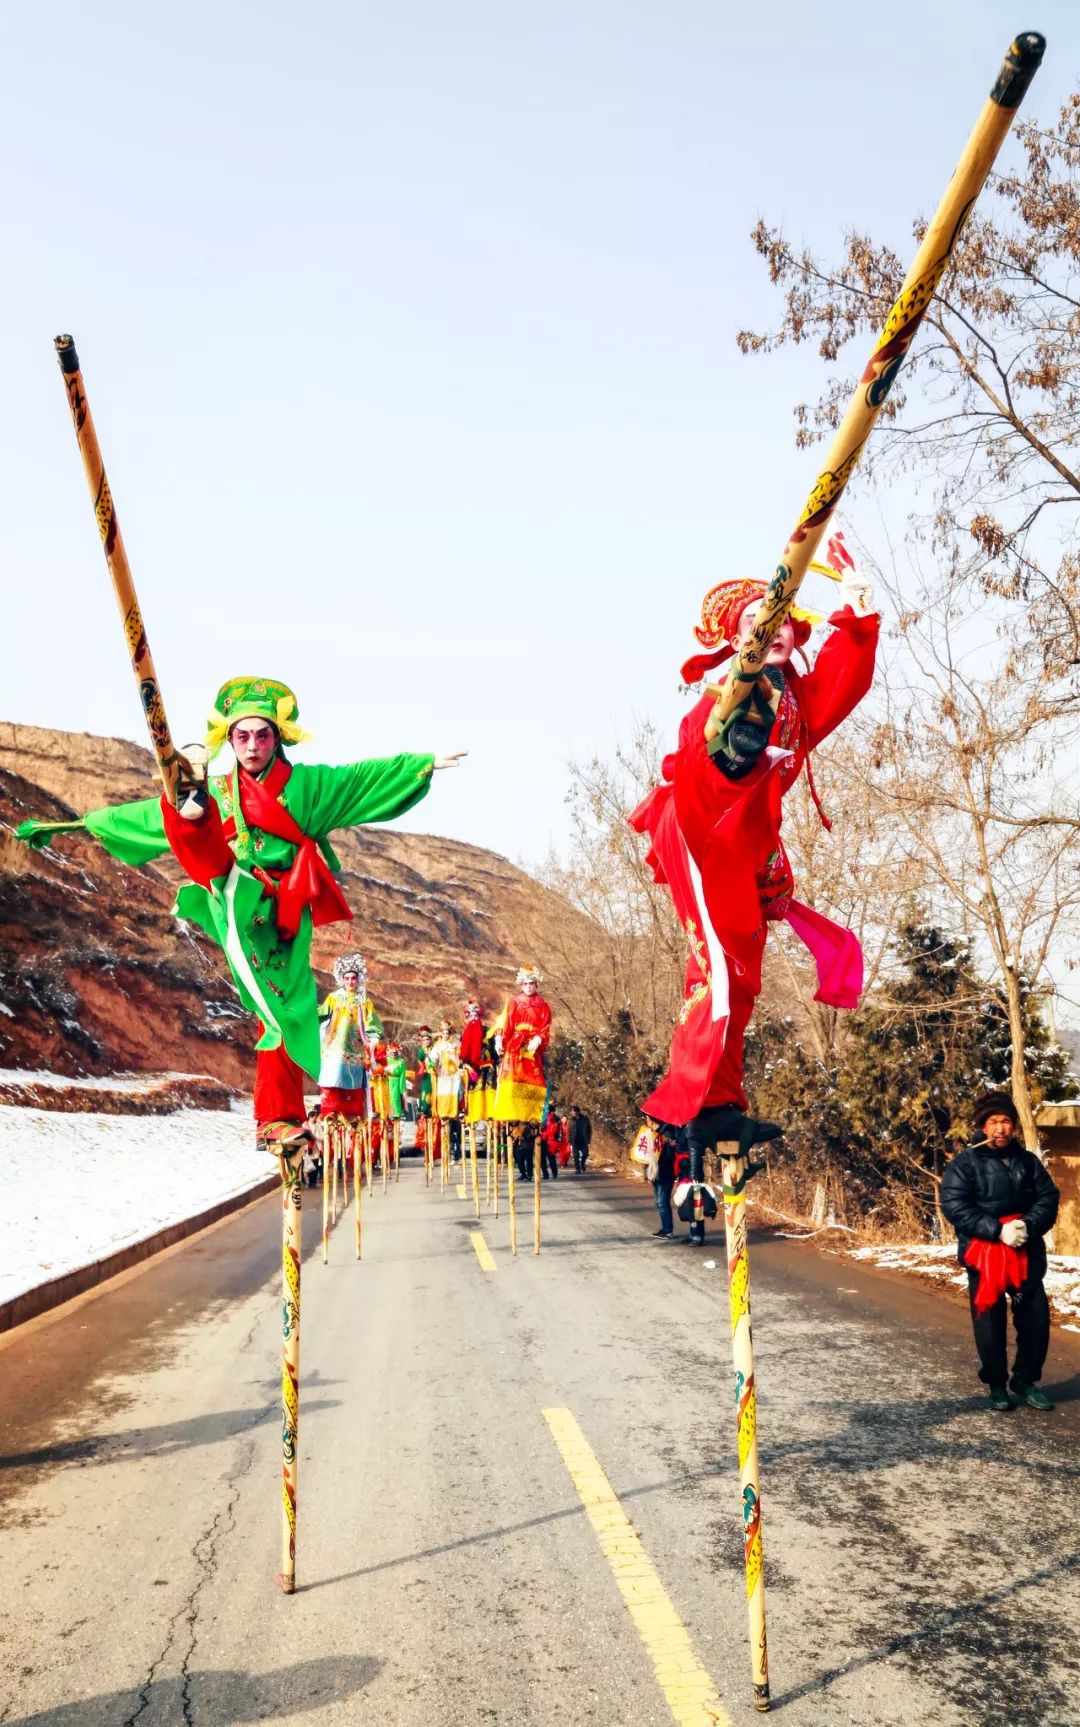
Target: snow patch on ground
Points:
(133, 1082)
(938, 1260)
(85, 1186)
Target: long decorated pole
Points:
(358, 1185)
(291, 1242)
(901, 326)
(328, 1153)
(538, 1165)
(735, 1174)
(171, 764)
(511, 1188)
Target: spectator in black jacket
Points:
(1001, 1202)
(580, 1137)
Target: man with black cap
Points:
(1001, 1202)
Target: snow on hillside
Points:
(85, 1186)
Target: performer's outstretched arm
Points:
(134, 832)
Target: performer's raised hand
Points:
(855, 590)
(450, 759)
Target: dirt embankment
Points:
(97, 977)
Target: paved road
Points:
(923, 1557)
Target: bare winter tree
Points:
(632, 959)
(972, 755)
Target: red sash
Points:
(309, 882)
(1000, 1268)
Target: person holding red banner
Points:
(1001, 1200)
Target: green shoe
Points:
(1000, 1399)
(1030, 1394)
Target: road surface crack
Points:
(205, 1554)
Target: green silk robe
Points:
(272, 975)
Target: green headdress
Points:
(251, 699)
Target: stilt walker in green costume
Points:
(263, 871)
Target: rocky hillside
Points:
(96, 977)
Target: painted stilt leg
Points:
(333, 1190)
(511, 1188)
(327, 1154)
(397, 1151)
(475, 1172)
(384, 1149)
(735, 1178)
(538, 1165)
(291, 1240)
(358, 1185)
(498, 1151)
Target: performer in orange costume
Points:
(521, 1043)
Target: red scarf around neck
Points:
(309, 881)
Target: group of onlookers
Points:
(561, 1138)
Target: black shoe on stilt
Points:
(726, 1123)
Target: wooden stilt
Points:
(291, 1243)
(336, 1147)
(327, 1154)
(475, 1172)
(359, 1128)
(511, 1187)
(742, 1345)
(538, 1164)
(397, 1150)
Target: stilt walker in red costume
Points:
(714, 828)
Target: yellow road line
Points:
(482, 1252)
(690, 1693)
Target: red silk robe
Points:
(716, 843)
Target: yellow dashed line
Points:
(690, 1693)
(482, 1253)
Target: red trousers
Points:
(726, 1085)
(333, 1100)
(279, 1087)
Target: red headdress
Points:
(721, 610)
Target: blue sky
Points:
(409, 332)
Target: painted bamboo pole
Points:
(397, 1149)
(368, 1157)
(901, 326)
(735, 1174)
(474, 1168)
(172, 766)
(489, 1136)
(384, 1149)
(499, 1140)
(335, 1144)
(538, 1165)
(327, 1154)
(511, 1187)
(345, 1136)
(358, 1186)
(291, 1243)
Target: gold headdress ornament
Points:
(250, 699)
(530, 974)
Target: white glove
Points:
(1014, 1234)
(498, 1043)
(533, 1045)
(855, 590)
(194, 796)
(450, 758)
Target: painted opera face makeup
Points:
(784, 645)
(352, 982)
(530, 986)
(253, 743)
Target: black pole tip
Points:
(1018, 69)
(65, 353)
